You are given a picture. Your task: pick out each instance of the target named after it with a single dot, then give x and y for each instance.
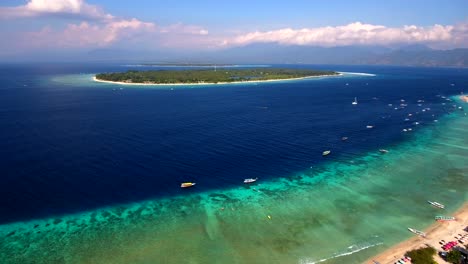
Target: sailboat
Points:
(355, 101)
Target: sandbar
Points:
(434, 234)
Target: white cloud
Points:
(97, 29)
(356, 34)
(36, 8)
(88, 34)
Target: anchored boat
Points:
(326, 152)
(436, 204)
(250, 180)
(417, 232)
(187, 184)
(442, 218)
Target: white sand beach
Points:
(206, 83)
(434, 234)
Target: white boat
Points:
(442, 218)
(344, 138)
(326, 152)
(417, 232)
(383, 151)
(355, 101)
(250, 180)
(436, 204)
(368, 126)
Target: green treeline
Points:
(208, 76)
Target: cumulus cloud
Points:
(88, 34)
(35, 8)
(356, 34)
(97, 29)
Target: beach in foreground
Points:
(434, 234)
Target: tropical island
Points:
(211, 76)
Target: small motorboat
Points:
(250, 180)
(187, 184)
(355, 101)
(326, 152)
(383, 151)
(436, 204)
(369, 126)
(417, 232)
(442, 218)
(344, 138)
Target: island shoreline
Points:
(218, 83)
(434, 233)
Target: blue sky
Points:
(35, 25)
(302, 13)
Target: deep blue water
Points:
(66, 148)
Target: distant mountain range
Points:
(413, 55)
(267, 53)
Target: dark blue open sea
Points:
(71, 147)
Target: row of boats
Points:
(190, 184)
(439, 218)
(327, 152)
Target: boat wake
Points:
(351, 250)
(358, 73)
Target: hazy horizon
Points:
(70, 30)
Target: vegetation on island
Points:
(186, 64)
(209, 76)
(422, 255)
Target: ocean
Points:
(91, 172)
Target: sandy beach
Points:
(205, 83)
(434, 234)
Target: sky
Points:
(72, 26)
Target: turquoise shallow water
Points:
(339, 212)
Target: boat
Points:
(250, 180)
(355, 101)
(368, 126)
(344, 138)
(383, 151)
(436, 204)
(417, 232)
(441, 218)
(326, 152)
(187, 184)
